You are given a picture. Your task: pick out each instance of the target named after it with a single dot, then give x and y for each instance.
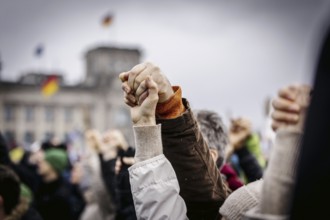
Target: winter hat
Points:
(57, 159)
(242, 200)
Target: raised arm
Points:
(279, 178)
(202, 187)
(154, 183)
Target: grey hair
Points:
(214, 131)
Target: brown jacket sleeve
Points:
(201, 185)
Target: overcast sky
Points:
(227, 55)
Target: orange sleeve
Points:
(173, 107)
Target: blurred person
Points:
(114, 139)
(99, 203)
(240, 131)
(55, 199)
(55, 143)
(115, 159)
(27, 175)
(201, 185)
(251, 142)
(12, 205)
(77, 199)
(216, 135)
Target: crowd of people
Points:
(185, 164)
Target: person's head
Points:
(214, 132)
(53, 164)
(9, 190)
(115, 138)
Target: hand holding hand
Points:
(134, 83)
(144, 113)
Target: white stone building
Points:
(26, 115)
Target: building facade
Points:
(97, 102)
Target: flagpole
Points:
(38, 53)
(107, 21)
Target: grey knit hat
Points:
(242, 200)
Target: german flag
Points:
(107, 20)
(50, 86)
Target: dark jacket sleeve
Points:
(4, 155)
(119, 188)
(109, 176)
(249, 164)
(201, 185)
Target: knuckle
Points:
(273, 115)
(137, 81)
(155, 69)
(275, 103)
(149, 64)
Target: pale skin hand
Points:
(240, 130)
(290, 107)
(144, 113)
(94, 140)
(133, 84)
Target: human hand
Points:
(144, 113)
(126, 160)
(290, 107)
(115, 139)
(240, 130)
(94, 140)
(76, 174)
(133, 83)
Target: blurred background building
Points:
(26, 115)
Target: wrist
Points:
(166, 95)
(148, 142)
(145, 121)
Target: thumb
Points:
(152, 89)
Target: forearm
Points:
(199, 178)
(280, 175)
(155, 190)
(109, 176)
